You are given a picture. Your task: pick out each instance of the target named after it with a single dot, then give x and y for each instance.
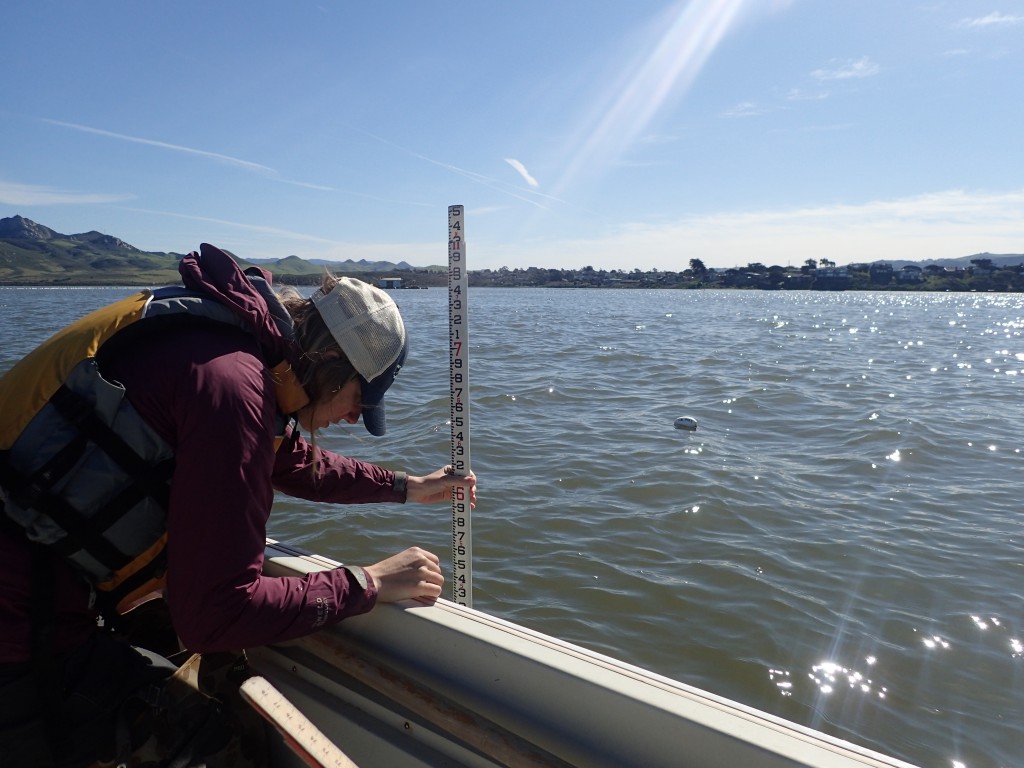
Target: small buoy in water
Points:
(686, 422)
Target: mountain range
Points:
(33, 254)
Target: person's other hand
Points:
(414, 573)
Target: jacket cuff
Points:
(359, 579)
(400, 486)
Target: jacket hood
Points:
(214, 272)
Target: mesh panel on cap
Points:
(379, 340)
(366, 324)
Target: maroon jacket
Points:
(207, 392)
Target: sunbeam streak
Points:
(680, 43)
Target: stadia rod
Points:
(458, 351)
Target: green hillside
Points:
(33, 254)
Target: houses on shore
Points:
(982, 275)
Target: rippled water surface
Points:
(839, 542)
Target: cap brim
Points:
(373, 396)
(373, 413)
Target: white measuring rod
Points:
(458, 346)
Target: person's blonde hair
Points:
(323, 367)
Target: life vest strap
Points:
(30, 493)
(35, 491)
(146, 574)
(80, 412)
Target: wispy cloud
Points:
(521, 170)
(825, 128)
(862, 67)
(945, 224)
(12, 193)
(257, 228)
(261, 241)
(305, 184)
(164, 145)
(994, 19)
(216, 156)
(479, 178)
(656, 139)
(799, 94)
(744, 109)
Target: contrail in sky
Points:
(164, 145)
(245, 164)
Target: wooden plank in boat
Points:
(302, 737)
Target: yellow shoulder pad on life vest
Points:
(29, 385)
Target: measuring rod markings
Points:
(458, 352)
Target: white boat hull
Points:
(444, 685)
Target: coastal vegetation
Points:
(32, 254)
(984, 272)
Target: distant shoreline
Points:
(33, 255)
(640, 286)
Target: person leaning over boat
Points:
(141, 448)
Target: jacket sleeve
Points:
(332, 478)
(208, 394)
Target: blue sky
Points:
(615, 134)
